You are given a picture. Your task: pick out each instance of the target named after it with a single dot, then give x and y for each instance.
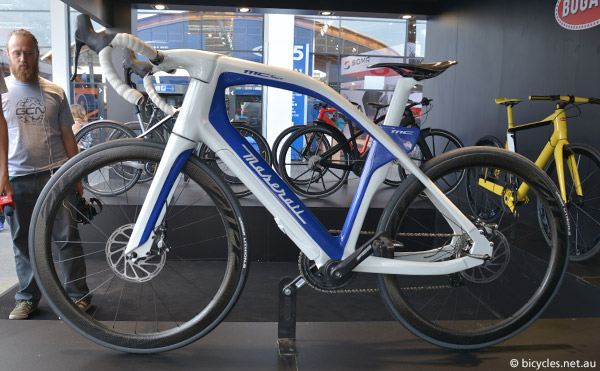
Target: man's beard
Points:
(29, 75)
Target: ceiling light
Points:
(244, 10)
(326, 12)
(407, 16)
(159, 7)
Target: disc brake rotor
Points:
(493, 268)
(144, 269)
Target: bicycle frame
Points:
(204, 105)
(554, 147)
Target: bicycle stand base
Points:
(286, 327)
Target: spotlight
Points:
(159, 7)
(244, 10)
(407, 16)
(326, 12)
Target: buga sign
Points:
(577, 14)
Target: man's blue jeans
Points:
(66, 237)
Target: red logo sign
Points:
(577, 14)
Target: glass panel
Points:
(24, 5)
(38, 23)
(420, 38)
(88, 87)
(373, 36)
(342, 49)
(244, 105)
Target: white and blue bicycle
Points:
(167, 261)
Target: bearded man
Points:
(40, 140)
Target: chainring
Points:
(315, 277)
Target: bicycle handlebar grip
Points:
(133, 43)
(544, 97)
(157, 99)
(103, 44)
(131, 95)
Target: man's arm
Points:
(71, 149)
(68, 141)
(5, 187)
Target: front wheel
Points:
(489, 303)
(177, 294)
(583, 210)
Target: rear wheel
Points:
(181, 291)
(432, 143)
(315, 161)
(124, 175)
(491, 302)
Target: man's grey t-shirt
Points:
(34, 122)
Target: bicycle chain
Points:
(364, 291)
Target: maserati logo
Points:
(577, 14)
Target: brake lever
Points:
(85, 35)
(78, 45)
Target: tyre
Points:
(280, 139)
(260, 145)
(315, 161)
(394, 176)
(584, 211)
(431, 143)
(485, 205)
(101, 131)
(486, 304)
(166, 300)
(125, 175)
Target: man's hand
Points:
(5, 186)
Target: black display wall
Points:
(510, 49)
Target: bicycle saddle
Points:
(507, 102)
(417, 71)
(377, 105)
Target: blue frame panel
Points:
(332, 246)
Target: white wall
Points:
(278, 51)
(60, 45)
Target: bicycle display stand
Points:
(286, 324)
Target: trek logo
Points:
(275, 187)
(577, 14)
(262, 74)
(30, 111)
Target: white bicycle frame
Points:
(202, 117)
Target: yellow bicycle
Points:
(491, 197)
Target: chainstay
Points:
(404, 234)
(364, 291)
